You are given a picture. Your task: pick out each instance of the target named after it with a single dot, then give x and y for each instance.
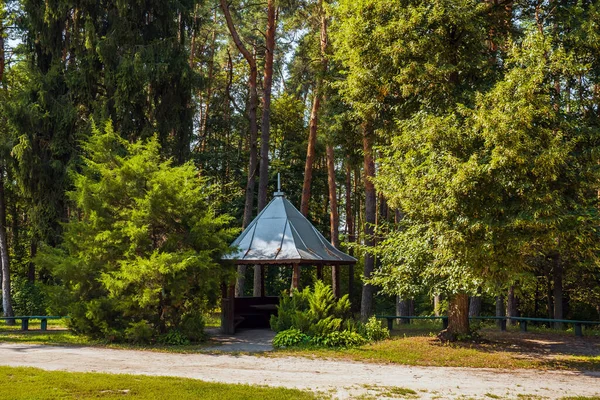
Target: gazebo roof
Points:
(280, 234)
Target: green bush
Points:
(143, 243)
(289, 337)
(317, 317)
(173, 338)
(28, 298)
(374, 330)
(192, 327)
(289, 306)
(139, 332)
(339, 339)
(313, 312)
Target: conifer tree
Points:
(140, 254)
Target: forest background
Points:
(452, 146)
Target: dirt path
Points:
(342, 379)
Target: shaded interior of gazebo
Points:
(279, 236)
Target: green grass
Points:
(59, 334)
(32, 383)
(581, 398)
(417, 345)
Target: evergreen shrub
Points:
(141, 253)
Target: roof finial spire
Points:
(278, 192)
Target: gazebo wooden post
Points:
(320, 272)
(262, 281)
(227, 308)
(296, 277)
(335, 281)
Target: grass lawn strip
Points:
(33, 383)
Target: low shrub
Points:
(316, 317)
(314, 312)
(339, 339)
(375, 331)
(173, 338)
(289, 337)
(192, 327)
(139, 332)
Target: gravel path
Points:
(342, 379)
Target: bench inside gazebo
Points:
(279, 236)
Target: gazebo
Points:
(279, 235)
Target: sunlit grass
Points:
(417, 345)
(32, 383)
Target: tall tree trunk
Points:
(368, 290)
(263, 180)
(458, 317)
(266, 111)
(500, 310)
(549, 301)
(511, 304)
(437, 305)
(557, 272)
(349, 225)
(333, 218)
(474, 306)
(402, 309)
(204, 136)
(310, 151)
(4, 261)
(314, 116)
(193, 38)
(252, 107)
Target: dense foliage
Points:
(451, 146)
(140, 254)
(316, 317)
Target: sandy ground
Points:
(341, 379)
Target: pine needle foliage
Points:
(142, 246)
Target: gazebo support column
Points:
(296, 277)
(258, 290)
(262, 280)
(227, 309)
(320, 272)
(335, 281)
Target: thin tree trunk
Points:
(370, 220)
(557, 272)
(252, 107)
(310, 151)
(475, 306)
(549, 301)
(209, 90)
(263, 179)
(349, 225)
(500, 310)
(266, 111)
(193, 38)
(511, 304)
(333, 217)
(314, 116)
(437, 305)
(6, 296)
(402, 309)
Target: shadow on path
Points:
(245, 340)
